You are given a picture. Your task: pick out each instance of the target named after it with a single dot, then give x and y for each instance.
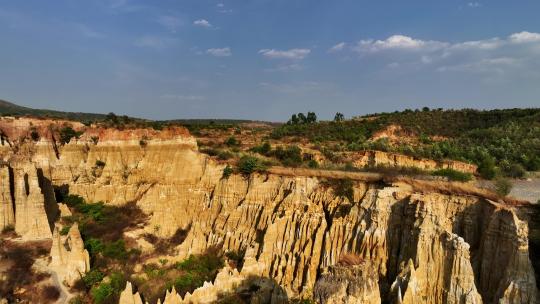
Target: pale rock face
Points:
(7, 215)
(128, 297)
(424, 247)
(68, 257)
(379, 158)
(356, 284)
(32, 200)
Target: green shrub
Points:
(291, 156)
(34, 134)
(100, 163)
(108, 292)
(342, 187)
(453, 175)
(250, 164)
(227, 171)
(224, 155)
(116, 250)
(313, 164)
(263, 149)
(94, 246)
(102, 293)
(65, 230)
(232, 141)
(514, 171)
(92, 277)
(503, 186)
(487, 168)
(67, 133)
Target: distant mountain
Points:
(10, 109)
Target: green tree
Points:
(503, 186)
(339, 117)
(487, 169)
(302, 118)
(311, 117)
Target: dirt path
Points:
(65, 294)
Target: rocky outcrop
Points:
(7, 214)
(422, 246)
(354, 284)
(69, 259)
(128, 297)
(32, 221)
(379, 158)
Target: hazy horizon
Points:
(264, 60)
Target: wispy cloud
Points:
(220, 52)
(338, 47)
(171, 23)
(155, 42)
(295, 54)
(474, 4)
(202, 23)
(221, 8)
(398, 42)
(496, 55)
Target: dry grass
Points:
(455, 188)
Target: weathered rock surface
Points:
(69, 259)
(7, 214)
(379, 158)
(356, 284)
(34, 203)
(423, 246)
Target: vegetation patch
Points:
(453, 175)
(185, 276)
(250, 164)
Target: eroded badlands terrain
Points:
(302, 238)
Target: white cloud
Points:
(222, 9)
(296, 54)
(202, 23)
(156, 42)
(525, 37)
(485, 65)
(338, 47)
(171, 23)
(497, 55)
(398, 42)
(220, 52)
(487, 44)
(474, 4)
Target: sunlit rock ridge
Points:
(414, 245)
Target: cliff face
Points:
(420, 247)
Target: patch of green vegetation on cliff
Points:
(102, 227)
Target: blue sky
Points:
(265, 59)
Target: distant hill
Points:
(505, 140)
(10, 109)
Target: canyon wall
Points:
(419, 246)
